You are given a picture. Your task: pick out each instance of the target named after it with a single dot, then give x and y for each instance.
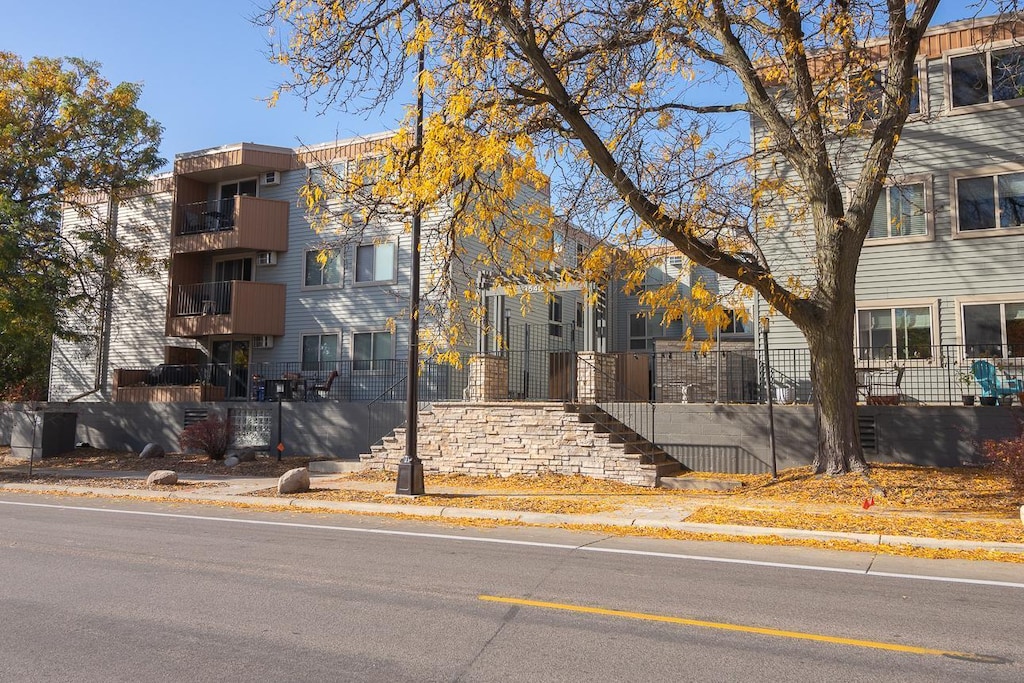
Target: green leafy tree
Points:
(71, 144)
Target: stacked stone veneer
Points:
(595, 377)
(488, 378)
(512, 438)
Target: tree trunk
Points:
(835, 389)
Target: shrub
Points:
(1007, 458)
(212, 436)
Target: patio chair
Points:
(319, 392)
(884, 387)
(992, 382)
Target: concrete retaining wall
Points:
(734, 438)
(326, 429)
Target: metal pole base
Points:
(410, 477)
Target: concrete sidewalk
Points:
(240, 490)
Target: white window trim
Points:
(954, 201)
(976, 299)
(352, 349)
(929, 217)
(374, 283)
(922, 83)
(936, 344)
(947, 79)
(341, 268)
(320, 333)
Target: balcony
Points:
(236, 223)
(233, 307)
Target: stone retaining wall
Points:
(512, 438)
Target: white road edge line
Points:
(535, 544)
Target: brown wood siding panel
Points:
(262, 224)
(353, 150)
(191, 394)
(257, 308)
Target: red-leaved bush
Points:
(1007, 457)
(212, 436)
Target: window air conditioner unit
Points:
(266, 258)
(264, 341)
(271, 178)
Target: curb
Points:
(540, 518)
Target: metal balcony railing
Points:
(208, 298)
(208, 216)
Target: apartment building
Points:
(938, 280)
(252, 290)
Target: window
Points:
(233, 269)
(317, 349)
(736, 325)
(579, 314)
(327, 274)
(990, 201)
(900, 212)
(375, 262)
(894, 333)
(642, 331)
(866, 101)
(372, 350)
(994, 76)
(225, 214)
(992, 328)
(555, 316)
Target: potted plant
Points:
(965, 380)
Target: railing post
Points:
(595, 377)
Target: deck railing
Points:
(209, 216)
(206, 298)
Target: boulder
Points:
(152, 450)
(162, 478)
(294, 481)
(231, 461)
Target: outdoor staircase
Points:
(632, 442)
(527, 438)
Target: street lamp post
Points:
(410, 468)
(768, 389)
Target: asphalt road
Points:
(107, 590)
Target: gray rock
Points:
(294, 481)
(247, 454)
(230, 461)
(152, 450)
(162, 478)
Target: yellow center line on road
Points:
(745, 629)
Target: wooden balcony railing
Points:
(235, 307)
(234, 223)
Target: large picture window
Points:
(375, 262)
(372, 350)
(900, 212)
(325, 274)
(994, 329)
(318, 349)
(894, 333)
(642, 331)
(994, 76)
(990, 201)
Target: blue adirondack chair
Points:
(992, 383)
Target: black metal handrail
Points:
(636, 413)
(381, 420)
(209, 216)
(207, 298)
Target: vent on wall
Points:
(868, 433)
(193, 416)
(263, 342)
(271, 178)
(266, 258)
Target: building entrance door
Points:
(231, 367)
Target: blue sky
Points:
(201, 64)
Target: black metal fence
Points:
(380, 380)
(542, 361)
(209, 216)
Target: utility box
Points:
(38, 434)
